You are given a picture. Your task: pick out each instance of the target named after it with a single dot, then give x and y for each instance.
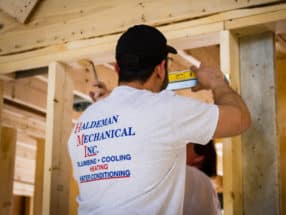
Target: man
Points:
(203, 157)
(128, 149)
(200, 195)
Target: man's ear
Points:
(116, 68)
(160, 70)
(198, 160)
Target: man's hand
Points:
(208, 78)
(100, 91)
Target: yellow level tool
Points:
(181, 76)
(181, 79)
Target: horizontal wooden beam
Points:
(23, 189)
(23, 121)
(76, 20)
(101, 49)
(32, 92)
(7, 77)
(269, 21)
(29, 92)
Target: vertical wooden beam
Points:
(232, 175)
(281, 101)
(28, 205)
(74, 191)
(59, 121)
(1, 102)
(39, 177)
(260, 142)
(7, 165)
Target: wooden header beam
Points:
(62, 22)
(101, 49)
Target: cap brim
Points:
(171, 49)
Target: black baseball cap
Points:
(142, 46)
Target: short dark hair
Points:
(140, 74)
(209, 163)
(139, 50)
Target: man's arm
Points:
(234, 116)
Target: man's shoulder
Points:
(198, 176)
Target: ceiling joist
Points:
(19, 9)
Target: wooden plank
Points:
(1, 103)
(256, 19)
(23, 188)
(260, 142)
(39, 176)
(7, 161)
(271, 21)
(8, 77)
(232, 153)
(24, 170)
(281, 117)
(29, 202)
(32, 92)
(102, 48)
(60, 21)
(24, 123)
(74, 192)
(20, 9)
(59, 122)
(28, 91)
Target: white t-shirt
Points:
(200, 195)
(128, 151)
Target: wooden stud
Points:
(232, 175)
(59, 122)
(281, 102)
(39, 177)
(1, 103)
(7, 161)
(260, 142)
(74, 192)
(29, 205)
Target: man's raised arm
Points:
(234, 116)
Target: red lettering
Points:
(77, 127)
(80, 140)
(98, 167)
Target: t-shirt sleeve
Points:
(193, 121)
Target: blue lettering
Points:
(85, 139)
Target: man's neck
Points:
(137, 85)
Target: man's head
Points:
(139, 50)
(203, 157)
